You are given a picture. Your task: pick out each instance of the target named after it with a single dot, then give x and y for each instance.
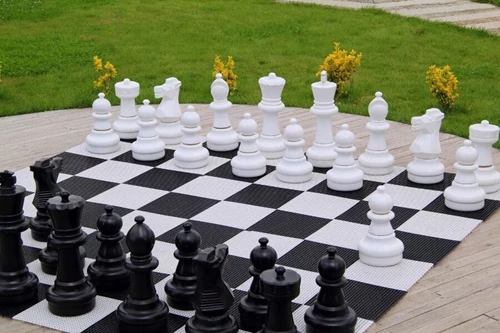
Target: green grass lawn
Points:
(47, 47)
(493, 2)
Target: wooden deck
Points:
(460, 294)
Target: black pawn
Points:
(253, 306)
(279, 286)
(45, 172)
(17, 284)
(181, 287)
(72, 294)
(213, 297)
(108, 271)
(142, 310)
(330, 313)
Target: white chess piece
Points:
(169, 111)
(321, 154)
(270, 142)
(426, 167)
(293, 167)
(380, 247)
(191, 154)
(376, 160)
(464, 194)
(102, 139)
(148, 146)
(222, 137)
(345, 174)
(126, 125)
(483, 136)
(249, 162)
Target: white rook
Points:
(126, 125)
(483, 136)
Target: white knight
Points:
(169, 111)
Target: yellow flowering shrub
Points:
(105, 78)
(443, 84)
(227, 72)
(340, 67)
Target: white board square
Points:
(319, 205)
(385, 178)
(164, 252)
(39, 314)
(409, 197)
(272, 180)
(233, 214)
(341, 233)
(212, 187)
(128, 196)
(401, 276)
(213, 163)
(82, 150)
(114, 171)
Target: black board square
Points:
(161, 179)
(321, 170)
(367, 189)
(13, 310)
(264, 196)
(438, 206)
(225, 171)
(402, 180)
(289, 224)
(211, 234)
(179, 205)
(225, 154)
(74, 163)
(425, 248)
(370, 301)
(85, 187)
(357, 214)
(30, 253)
(93, 211)
(236, 270)
(307, 254)
(127, 157)
(233, 310)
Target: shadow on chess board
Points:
(300, 220)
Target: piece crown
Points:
(140, 238)
(378, 108)
(7, 179)
(271, 87)
(345, 138)
(331, 266)
(380, 202)
(247, 125)
(190, 118)
(146, 112)
(263, 257)
(101, 105)
(466, 155)
(294, 132)
(219, 89)
(484, 132)
(187, 240)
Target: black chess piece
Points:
(279, 286)
(108, 272)
(72, 294)
(213, 297)
(253, 306)
(142, 311)
(45, 172)
(330, 313)
(17, 283)
(181, 287)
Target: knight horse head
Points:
(45, 172)
(169, 92)
(427, 141)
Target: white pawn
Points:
(191, 154)
(321, 154)
(345, 174)
(426, 167)
(293, 167)
(483, 136)
(464, 194)
(222, 137)
(126, 125)
(380, 247)
(102, 139)
(376, 160)
(148, 146)
(249, 162)
(270, 142)
(169, 111)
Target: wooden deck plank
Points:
(466, 278)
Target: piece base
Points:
(426, 180)
(148, 157)
(294, 179)
(152, 319)
(380, 261)
(248, 173)
(228, 326)
(377, 171)
(70, 304)
(344, 187)
(24, 291)
(464, 207)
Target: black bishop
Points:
(330, 313)
(108, 272)
(253, 306)
(181, 287)
(142, 310)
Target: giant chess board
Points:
(301, 221)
